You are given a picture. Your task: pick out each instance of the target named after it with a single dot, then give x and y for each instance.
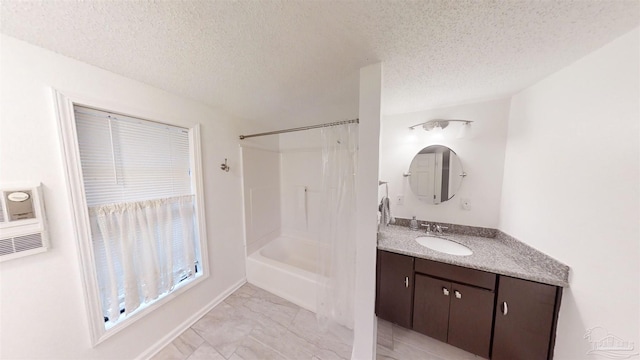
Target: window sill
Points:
(146, 309)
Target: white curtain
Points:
(143, 249)
(337, 236)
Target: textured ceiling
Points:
(289, 63)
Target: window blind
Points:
(128, 162)
(127, 159)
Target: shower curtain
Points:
(335, 296)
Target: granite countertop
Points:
(501, 255)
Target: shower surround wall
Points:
(261, 183)
(282, 187)
(276, 172)
(301, 167)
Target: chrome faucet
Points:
(440, 229)
(434, 228)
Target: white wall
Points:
(482, 156)
(571, 187)
(370, 105)
(41, 298)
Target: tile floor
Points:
(253, 324)
(398, 343)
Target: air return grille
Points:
(6, 247)
(20, 243)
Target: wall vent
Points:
(20, 244)
(6, 247)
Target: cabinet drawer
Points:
(456, 273)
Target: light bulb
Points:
(464, 131)
(437, 132)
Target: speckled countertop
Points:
(501, 255)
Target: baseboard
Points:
(172, 335)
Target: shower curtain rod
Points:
(242, 137)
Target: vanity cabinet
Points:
(431, 307)
(494, 316)
(452, 312)
(525, 320)
(394, 290)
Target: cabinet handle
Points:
(505, 308)
(458, 294)
(406, 281)
(445, 291)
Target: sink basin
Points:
(444, 245)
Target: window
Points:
(136, 190)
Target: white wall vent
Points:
(22, 222)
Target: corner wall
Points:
(571, 188)
(370, 106)
(42, 312)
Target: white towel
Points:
(385, 211)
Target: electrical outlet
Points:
(465, 203)
(400, 199)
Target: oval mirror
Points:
(435, 174)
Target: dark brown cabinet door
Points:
(394, 291)
(525, 320)
(431, 307)
(470, 319)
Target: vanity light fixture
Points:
(439, 124)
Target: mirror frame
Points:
(445, 178)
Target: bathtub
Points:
(286, 266)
